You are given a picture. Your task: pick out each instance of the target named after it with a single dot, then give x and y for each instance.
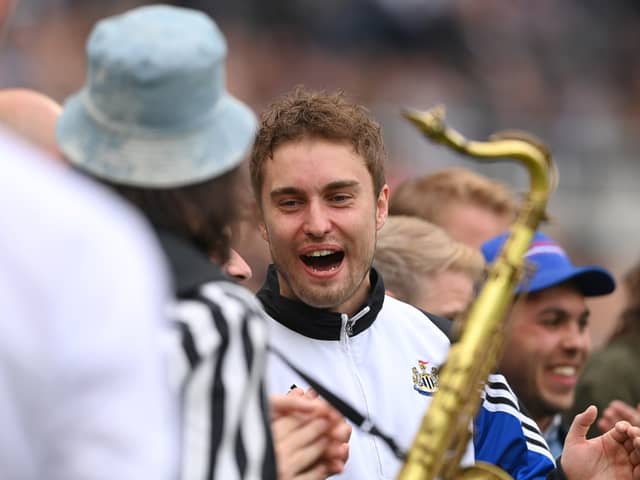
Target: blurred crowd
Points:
(569, 73)
(129, 231)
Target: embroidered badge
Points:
(425, 378)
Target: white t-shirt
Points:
(83, 390)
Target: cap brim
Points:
(592, 281)
(157, 159)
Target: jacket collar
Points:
(190, 267)
(317, 323)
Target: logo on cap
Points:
(544, 247)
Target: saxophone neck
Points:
(502, 146)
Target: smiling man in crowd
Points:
(548, 341)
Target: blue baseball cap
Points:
(552, 266)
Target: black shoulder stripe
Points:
(531, 428)
(500, 401)
(499, 386)
(536, 442)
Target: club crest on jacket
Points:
(425, 378)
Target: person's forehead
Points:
(314, 161)
(565, 296)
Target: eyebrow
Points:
(561, 311)
(285, 191)
(337, 185)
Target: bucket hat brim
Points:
(156, 158)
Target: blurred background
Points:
(568, 72)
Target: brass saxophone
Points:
(444, 433)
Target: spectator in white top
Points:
(83, 393)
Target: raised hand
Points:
(613, 455)
(616, 411)
(310, 437)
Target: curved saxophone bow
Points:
(444, 432)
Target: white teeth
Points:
(320, 253)
(566, 371)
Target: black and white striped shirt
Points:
(218, 352)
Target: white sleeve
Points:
(83, 390)
(110, 374)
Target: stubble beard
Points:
(322, 296)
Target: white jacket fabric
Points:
(374, 369)
(384, 361)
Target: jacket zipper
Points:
(345, 333)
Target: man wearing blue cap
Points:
(548, 339)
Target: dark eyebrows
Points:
(342, 184)
(337, 185)
(561, 312)
(285, 191)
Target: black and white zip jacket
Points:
(384, 361)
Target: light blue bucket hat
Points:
(154, 111)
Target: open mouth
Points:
(322, 260)
(565, 371)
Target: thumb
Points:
(580, 425)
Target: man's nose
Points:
(317, 222)
(236, 267)
(576, 338)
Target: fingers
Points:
(311, 393)
(621, 433)
(296, 391)
(299, 445)
(618, 410)
(337, 453)
(318, 472)
(580, 425)
(605, 424)
(341, 432)
(310, 436)
(289, 404)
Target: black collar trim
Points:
(190, 267)
(313, 322)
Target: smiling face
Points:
(546, 349)
(320, 217)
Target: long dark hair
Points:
(201, 213)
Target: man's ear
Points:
(263, 231)
(382, 204)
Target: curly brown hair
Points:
(304, 113)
